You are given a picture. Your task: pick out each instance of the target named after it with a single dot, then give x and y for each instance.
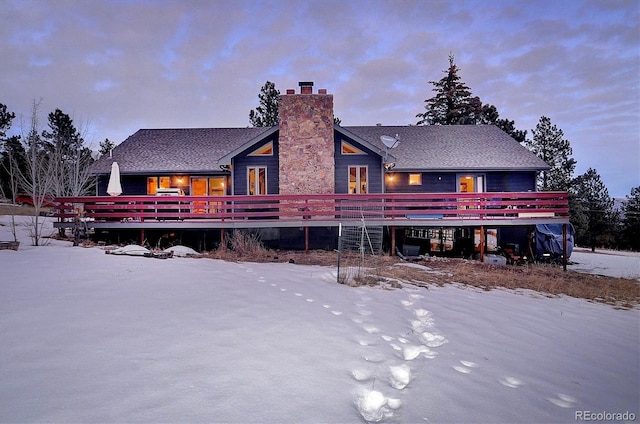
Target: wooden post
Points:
(306, 239)
(564, 247)
(142, 237)
(482, 243)
(222, 238)
(393, 241)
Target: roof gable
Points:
(453, 148)
(177, 150)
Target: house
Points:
(308, 155)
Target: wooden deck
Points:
(397, 210)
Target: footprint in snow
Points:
(406, 303)
(363, 342)
(465, 367)
(362, 374)
(326, 306)
(371, 329)
(283, 290)
(410, 352)
(373, 406)
(510, 382)
(462, 370)
(432, 340)
(298, 294)
(337, 313)
(262, 279)
(399, 376)
(563, 401)
(310, 300)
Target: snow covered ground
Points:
(89, 337)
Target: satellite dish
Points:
(389, 141)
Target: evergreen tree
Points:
(549, 145)
(266, 115)
(69, 158)
(453, 103)
(106, 146)
(631, 219)
(63, 134)
(6, 118)
(10, 150)
(597, 206)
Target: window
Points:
(266, 150)
(415, 179)
(358, 180)
(348, 149)
(256, 180)
(473, 183)
(167, 181)
(152, 185)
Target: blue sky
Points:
(117, 66)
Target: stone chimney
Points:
(306, 146)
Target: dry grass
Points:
(25, 210)
(388, 272)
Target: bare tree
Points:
(37, 177)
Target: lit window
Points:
(358, 180)
(348, 149)
(266, 150)
(152, 185)
(256, 180)
(165, 182)
(415, 179)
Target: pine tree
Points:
(266, 115)
(69, 158)
(631, 219)
(106, 146)
(597, 206)
(453, 103)
(549, 145)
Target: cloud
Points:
(130, 64)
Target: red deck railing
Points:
(325, 207)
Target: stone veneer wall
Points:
(306, 147)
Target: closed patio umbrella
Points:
(114, 188)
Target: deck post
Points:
(142, 237)
(222, 238)
(306, 239)
(482, 243)
(393, 240)
(564, 247)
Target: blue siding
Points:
(242, 161)
(511, 181)
(438, 182)
(132, 185)
(371, 159)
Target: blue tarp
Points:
(548, 239)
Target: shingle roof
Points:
(176, 150)
(452, 147)
(446, 148)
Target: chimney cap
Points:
(305, 84)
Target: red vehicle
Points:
(27, 199)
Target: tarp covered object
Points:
(548, 239)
